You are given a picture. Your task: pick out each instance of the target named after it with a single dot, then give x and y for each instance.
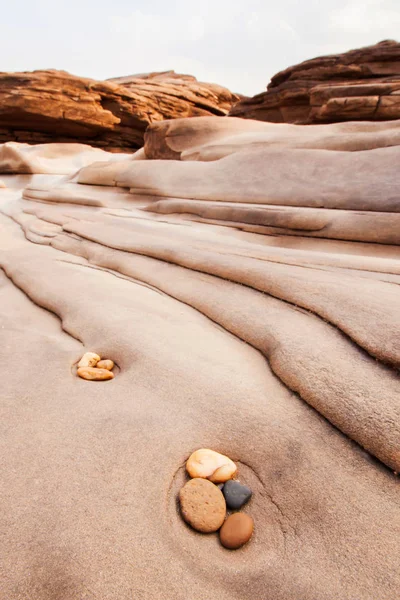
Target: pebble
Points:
(89, 359)
(202, 505)
(236, 494)
(236, 531)
(210, 465)
(105, 364)
(94, 374)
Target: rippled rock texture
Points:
(244, 277)
(54, 106)
(362, 84)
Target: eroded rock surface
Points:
(362, 84)
(248, 291)
(53, 106)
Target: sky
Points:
(240, 44)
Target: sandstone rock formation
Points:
(362, 84)
(248, 290)
(54, 106)
(180, 95)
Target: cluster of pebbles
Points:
(204, 499)
(93, 368)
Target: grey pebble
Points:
(236, 494)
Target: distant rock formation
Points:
(362, 84)
(54, 106)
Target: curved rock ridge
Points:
(362, 84)
(54, 106)
(60, 159)
(210, 139)
(245, 278)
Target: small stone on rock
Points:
(236, 531)
(236, 494)
(105, 364)
(202, 505)
(94, 374)
(211, 465)
(89, 359)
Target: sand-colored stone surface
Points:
(251, 303)
(60, 159)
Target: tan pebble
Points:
(210, 465)
(105, 364)
(94, 374)
(236, 531)
(202, 505)
(89, 359)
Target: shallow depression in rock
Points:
(267, 531)
(115, 370)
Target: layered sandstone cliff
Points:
(362, 84)
(54, 106)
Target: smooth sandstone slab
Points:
(299, 177)
(211, 139)
(63, 159)
(281, 347)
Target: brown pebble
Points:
(89, 359)
(236, 531)
(94, 374)
(202, 505)
(105, 364)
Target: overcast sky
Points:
(236, 43)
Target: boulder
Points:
(362, 84)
